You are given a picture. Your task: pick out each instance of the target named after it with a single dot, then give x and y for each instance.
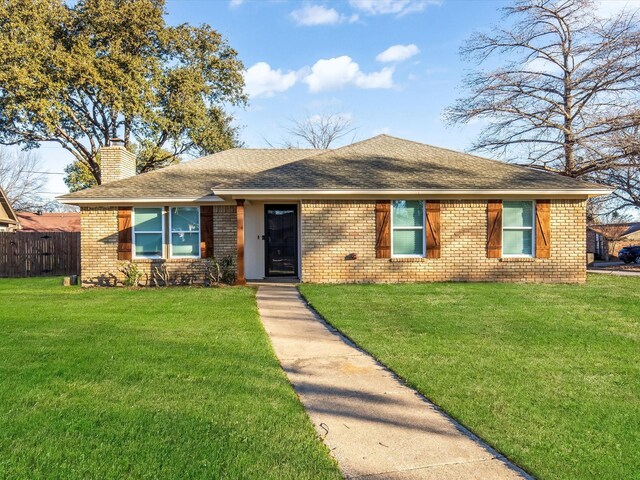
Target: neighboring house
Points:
(8, 219)
(49, 222)
(605, 240)
(597, 245)
(380, 210)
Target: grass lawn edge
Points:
(275, 356)
(404, 381)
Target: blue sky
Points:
(391, 66)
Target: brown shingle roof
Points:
(195, 178)
(50, 222)
(615, 230)
(379, 163)
(385, 163)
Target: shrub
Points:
(132, 274)
(220, 272)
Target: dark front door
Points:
(281, 240)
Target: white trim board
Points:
(414, 194)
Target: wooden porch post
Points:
(240, 241)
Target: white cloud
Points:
(339, 72)
(312, 15)
(261, 79)
(344, 116)
(235, 3)
(392, 7)
(398, 53)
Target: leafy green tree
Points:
(84, 74)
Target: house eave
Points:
(404, 193)
(125, 201)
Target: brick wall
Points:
(99, 248)
(331, 230)
(116, 163)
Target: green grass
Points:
(548, 374)
(153, 383)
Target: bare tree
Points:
(627, 184)
(319, 131)
(21, 178)
(626, 180)
(569, 81)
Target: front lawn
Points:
(154, 383)
(548, 374)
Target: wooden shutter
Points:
(383, 229)
(432, 208)
(206, 231)
(543, 228)
(124, 233)
(494, 228)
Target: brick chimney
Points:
(116, 162)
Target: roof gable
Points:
(7, 215)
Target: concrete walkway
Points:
(375, 427)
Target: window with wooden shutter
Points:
(432, 210)
(543, 228)
(494, 228)
(124, 233)
(383, 229)
(206, 231)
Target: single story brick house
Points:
(380, 210)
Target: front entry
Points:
(281, 240)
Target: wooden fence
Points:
(34, 254)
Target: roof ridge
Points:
(344, 147)
(318, 153)
(268, 149)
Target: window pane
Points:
(184, 244)
(148, 219)
(185, 219)
(517, 214)
(408, 242)
(148, 244)
(407, 213)
(517, 242)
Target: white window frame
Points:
(532, 228)
(422, 228)
(133, 234)
(171, 232)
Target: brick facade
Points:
(99, 249)
(332, 230)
